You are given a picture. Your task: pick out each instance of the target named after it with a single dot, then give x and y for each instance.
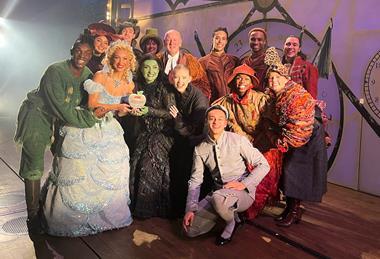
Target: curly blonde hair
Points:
(132, 64)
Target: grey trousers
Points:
(222, 203)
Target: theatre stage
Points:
(345, 225)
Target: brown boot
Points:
(294, 215)
(32, 197)
(286, 211)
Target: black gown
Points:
(150, 168)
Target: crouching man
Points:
(226, 155)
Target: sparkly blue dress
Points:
(87, 190)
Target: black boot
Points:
(221, 241)
(286, 211)
(32, 197)
(294, 215)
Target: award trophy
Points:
(136, 101)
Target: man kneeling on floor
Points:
(226, 155)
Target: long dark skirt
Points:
(150, 176)
(305, 168)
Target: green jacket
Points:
(55, 102)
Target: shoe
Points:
(34, 226)
(294, 216)
(220, 241)
(32, 198)
(284, 214)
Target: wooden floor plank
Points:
(248, 242)
(60, 247)
(337, 227)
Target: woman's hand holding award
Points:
(137, 102)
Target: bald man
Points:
(174, 55)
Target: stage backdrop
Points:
(33, 34)
(355, 34)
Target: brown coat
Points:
(256, 61)
(218, 70)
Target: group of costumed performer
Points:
(284, 124)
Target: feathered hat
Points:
(273, 61)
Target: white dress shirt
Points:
(172, 62)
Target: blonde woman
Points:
(88, 188)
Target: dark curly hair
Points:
(83, 39)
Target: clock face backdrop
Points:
(372, 86)
(328, 91)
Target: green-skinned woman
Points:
(150, 168)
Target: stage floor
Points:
(345, 225)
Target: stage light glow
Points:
(2, 32)
(8, 8)
(2, 40)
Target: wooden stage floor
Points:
(345, 225)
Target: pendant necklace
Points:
(117, 82)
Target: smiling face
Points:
(173, 42)
(219, 41)
(81, 54)
(217, 121)
(119, 60)
(243, 83)
(276, 82)
(128, 33)
(100, 44)
(181, 79)
(257, 41)
(151, 46)
(291, 47)
(150, 70)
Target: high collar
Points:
(215, 142)
(185, 94)
(258, 53)
(241, 100)
(176, 56)
(213, 53)
(292, 61)
(151, 85)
